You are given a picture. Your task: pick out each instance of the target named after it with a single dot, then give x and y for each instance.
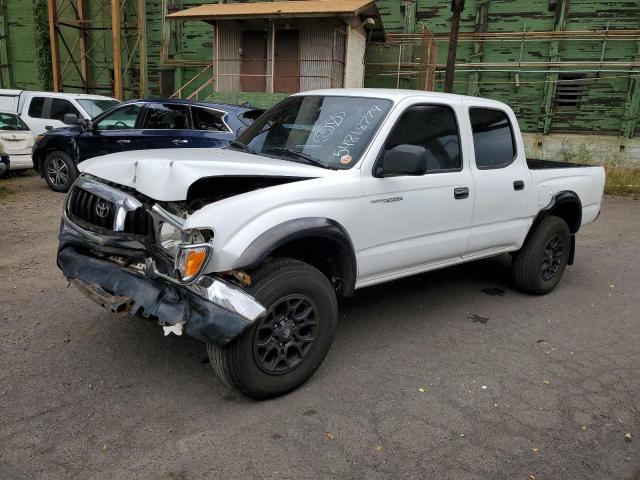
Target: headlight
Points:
(169, 236)
(191, 260)
(38, 138)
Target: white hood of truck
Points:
(166, 175)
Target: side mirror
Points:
(70, 119)
(87, 125)
(404, 160)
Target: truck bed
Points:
(536, 164)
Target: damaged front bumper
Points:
(209, 309)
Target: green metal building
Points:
(569, 68)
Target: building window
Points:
(569, 91)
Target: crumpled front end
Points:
(108, 250)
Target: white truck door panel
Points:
(501, 180)
(411, 221)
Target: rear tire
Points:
(59, 171)
(539, 265)
(280, 351)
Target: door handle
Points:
(518, 185)
(180, 141)
(123, 141)
(460, 192)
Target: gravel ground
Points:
(450, 375)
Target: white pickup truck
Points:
(248, 247)
(44, 111)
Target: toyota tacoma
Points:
(248, 247)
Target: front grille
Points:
(98, 212)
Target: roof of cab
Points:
(400, 94)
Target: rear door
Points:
(41, 114)
(501, 178)
(165, 125)
(253, 65)
(117, 131)
(287, 69)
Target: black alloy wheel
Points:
(552, 258)
(286, 334)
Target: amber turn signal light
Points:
(191, 261)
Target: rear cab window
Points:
(493, 138)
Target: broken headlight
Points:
(169, 237)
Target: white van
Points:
(43, 111)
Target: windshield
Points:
(325, 130)
(96, 107)
(10, 121)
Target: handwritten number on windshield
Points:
(353, 137)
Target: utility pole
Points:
(456, 7)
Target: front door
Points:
(287, 70)
(117, 131)
(253, 67)
(413, 221)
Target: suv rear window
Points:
(492, 138)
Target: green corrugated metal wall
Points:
(604, 101)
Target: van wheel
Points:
(539, 265)
(59, 171)
(281, 350)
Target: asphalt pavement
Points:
(448, 375)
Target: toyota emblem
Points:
(102, 209)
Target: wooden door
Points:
(287, 65)
(254, 61)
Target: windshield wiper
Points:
(243, 147)
(303, 156)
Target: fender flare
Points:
(268, 241)
(560, 198)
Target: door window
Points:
(166, 117)
(492, 138)
(433, 127)
(121, 119)
(36, 107)
(60, 107)
(206, 119)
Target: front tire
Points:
(538, 266)
(280, 351)
(59, 171)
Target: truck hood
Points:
(166, 175)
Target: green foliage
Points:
(41, 37)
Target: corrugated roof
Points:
(275, 9)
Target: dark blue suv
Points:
(137, 125)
